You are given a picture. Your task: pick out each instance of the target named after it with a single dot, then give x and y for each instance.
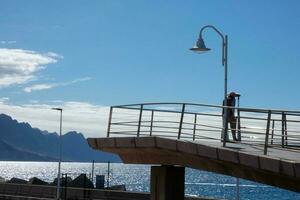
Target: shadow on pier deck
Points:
(188, 135)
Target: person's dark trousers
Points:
(232, 122)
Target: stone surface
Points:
(105, 142)
(187, 147)
(297, 169)
(287, 168)
(228, 155)
(166, 143)
(92, 142)
(270, 164)
(207, 151)
(249, 160)
(125, 142)
(145, 142)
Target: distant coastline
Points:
(21, 142)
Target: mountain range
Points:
(21, 142)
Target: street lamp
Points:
(199, 48)
(60, 153)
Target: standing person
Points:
(230, 113)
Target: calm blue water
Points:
(137, 178)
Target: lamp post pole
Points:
(225, 119)
(60, 154)
(200, 47)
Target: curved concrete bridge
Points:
(279, 168)
(179, 135)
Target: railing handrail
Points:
(271, 116)
(245, 109)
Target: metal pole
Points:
(239, 137)
(109, 120)
(60, 154)
(93, 167)
(181, 121)
(273, 126)
(285, 130)
(282, 130)
(224, 134)
(267, 133)
(195, 126)
(66, 185)
(108, 172)
(225, 63)
(151, 123)
(140, 120)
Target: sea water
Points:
(137, 178)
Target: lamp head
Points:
(59, 109)
(200, 46)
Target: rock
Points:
(81, 182)
(37, 181)
(62, 181)
(17, 181)
(2, 180)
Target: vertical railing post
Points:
(273, 126)
(108, 173)
(151, 123)
(195, 126)
(66, 185)
(140, 121)
(282, 130)
(109, 120)
(267, 133)
(285, 130)
(181, 121)
(239, 136)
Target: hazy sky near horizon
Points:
(87, 55)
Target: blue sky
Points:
(108, 52)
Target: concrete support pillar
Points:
(167, 183)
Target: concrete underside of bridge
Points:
(162, 151)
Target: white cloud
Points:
(18, 66)
(74, 81)
(38, 87)
(89, 119)
(8, 42)
(4, 99)
(54, 55)
(47, 86)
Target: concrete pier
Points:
(278, 168)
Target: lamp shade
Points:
(200, 46)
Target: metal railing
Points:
(188, 121)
